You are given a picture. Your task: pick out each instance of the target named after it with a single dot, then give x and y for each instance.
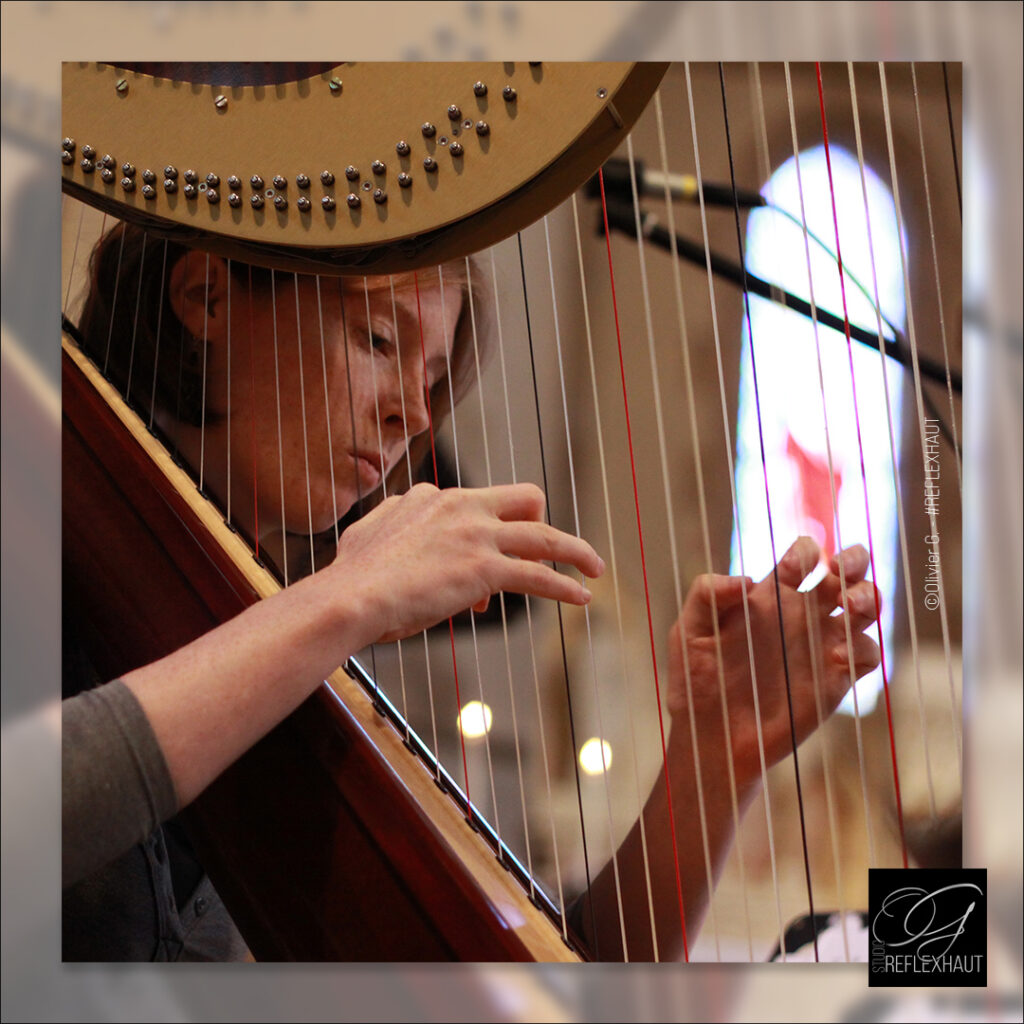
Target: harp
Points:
(356, 739)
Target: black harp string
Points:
(586, 609)
(952, 141)
(156, 346)
(182, 301)
(359, 486)
(529, 631)
(843, 586)
(863, 471)
(558, 606)
(757, 101)
(448, 333)
(501, 601)
(671, 520)
(705, 533)
(771, 531)
(616, 589)
(954, 439)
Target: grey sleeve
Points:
(115, 784)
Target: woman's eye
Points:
(379, 342)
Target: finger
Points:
(831, 596)
(514, 501)
(863, 605)
(798, 562)
(538, 580)
(481, 606)
(540, 542)
(862, 650)
(710, 594)
(855, 563)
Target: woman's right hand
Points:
(428, 554)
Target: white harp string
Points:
(159, 325)
(227, 489)
(327, 409)
(280, 444)
(727, 436)
(616, 587)
(605, 780)
(912, 336)
(458, 483)
(305, 432)
(938, 281)
(530, 633)
(901, 520)
(812, 616)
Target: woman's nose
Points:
(407, 401)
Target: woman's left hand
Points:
(821, 653)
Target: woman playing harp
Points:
(414, 560)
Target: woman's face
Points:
(328, 384)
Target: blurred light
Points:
(596, 756)
(475, 720)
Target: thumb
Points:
(709, 594)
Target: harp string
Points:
(811, 611)
(586, 616)
(74, 253)
(558, 606)
(202, 418)
(863, 471)
(458, 481)
(433, 455)
(643, 566)
(227, 514)
(897, 487)
(530, 631)
(408, 466)
(616, 588)
(252, 421)
(359, 486)
(671, 518)
(113, 303)
(501, 596)
(159, 323)
(327, 409)
(934, 552)
(302, 408)
(135, 321)
(763, 150)
(952, 141)
(768, 507)
(938, 282)
(702, 506)
(727, 439)
(280, 444)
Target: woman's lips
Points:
(368, 466)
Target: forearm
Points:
(211, 700)
(665, 844)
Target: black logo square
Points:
(927, 926)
